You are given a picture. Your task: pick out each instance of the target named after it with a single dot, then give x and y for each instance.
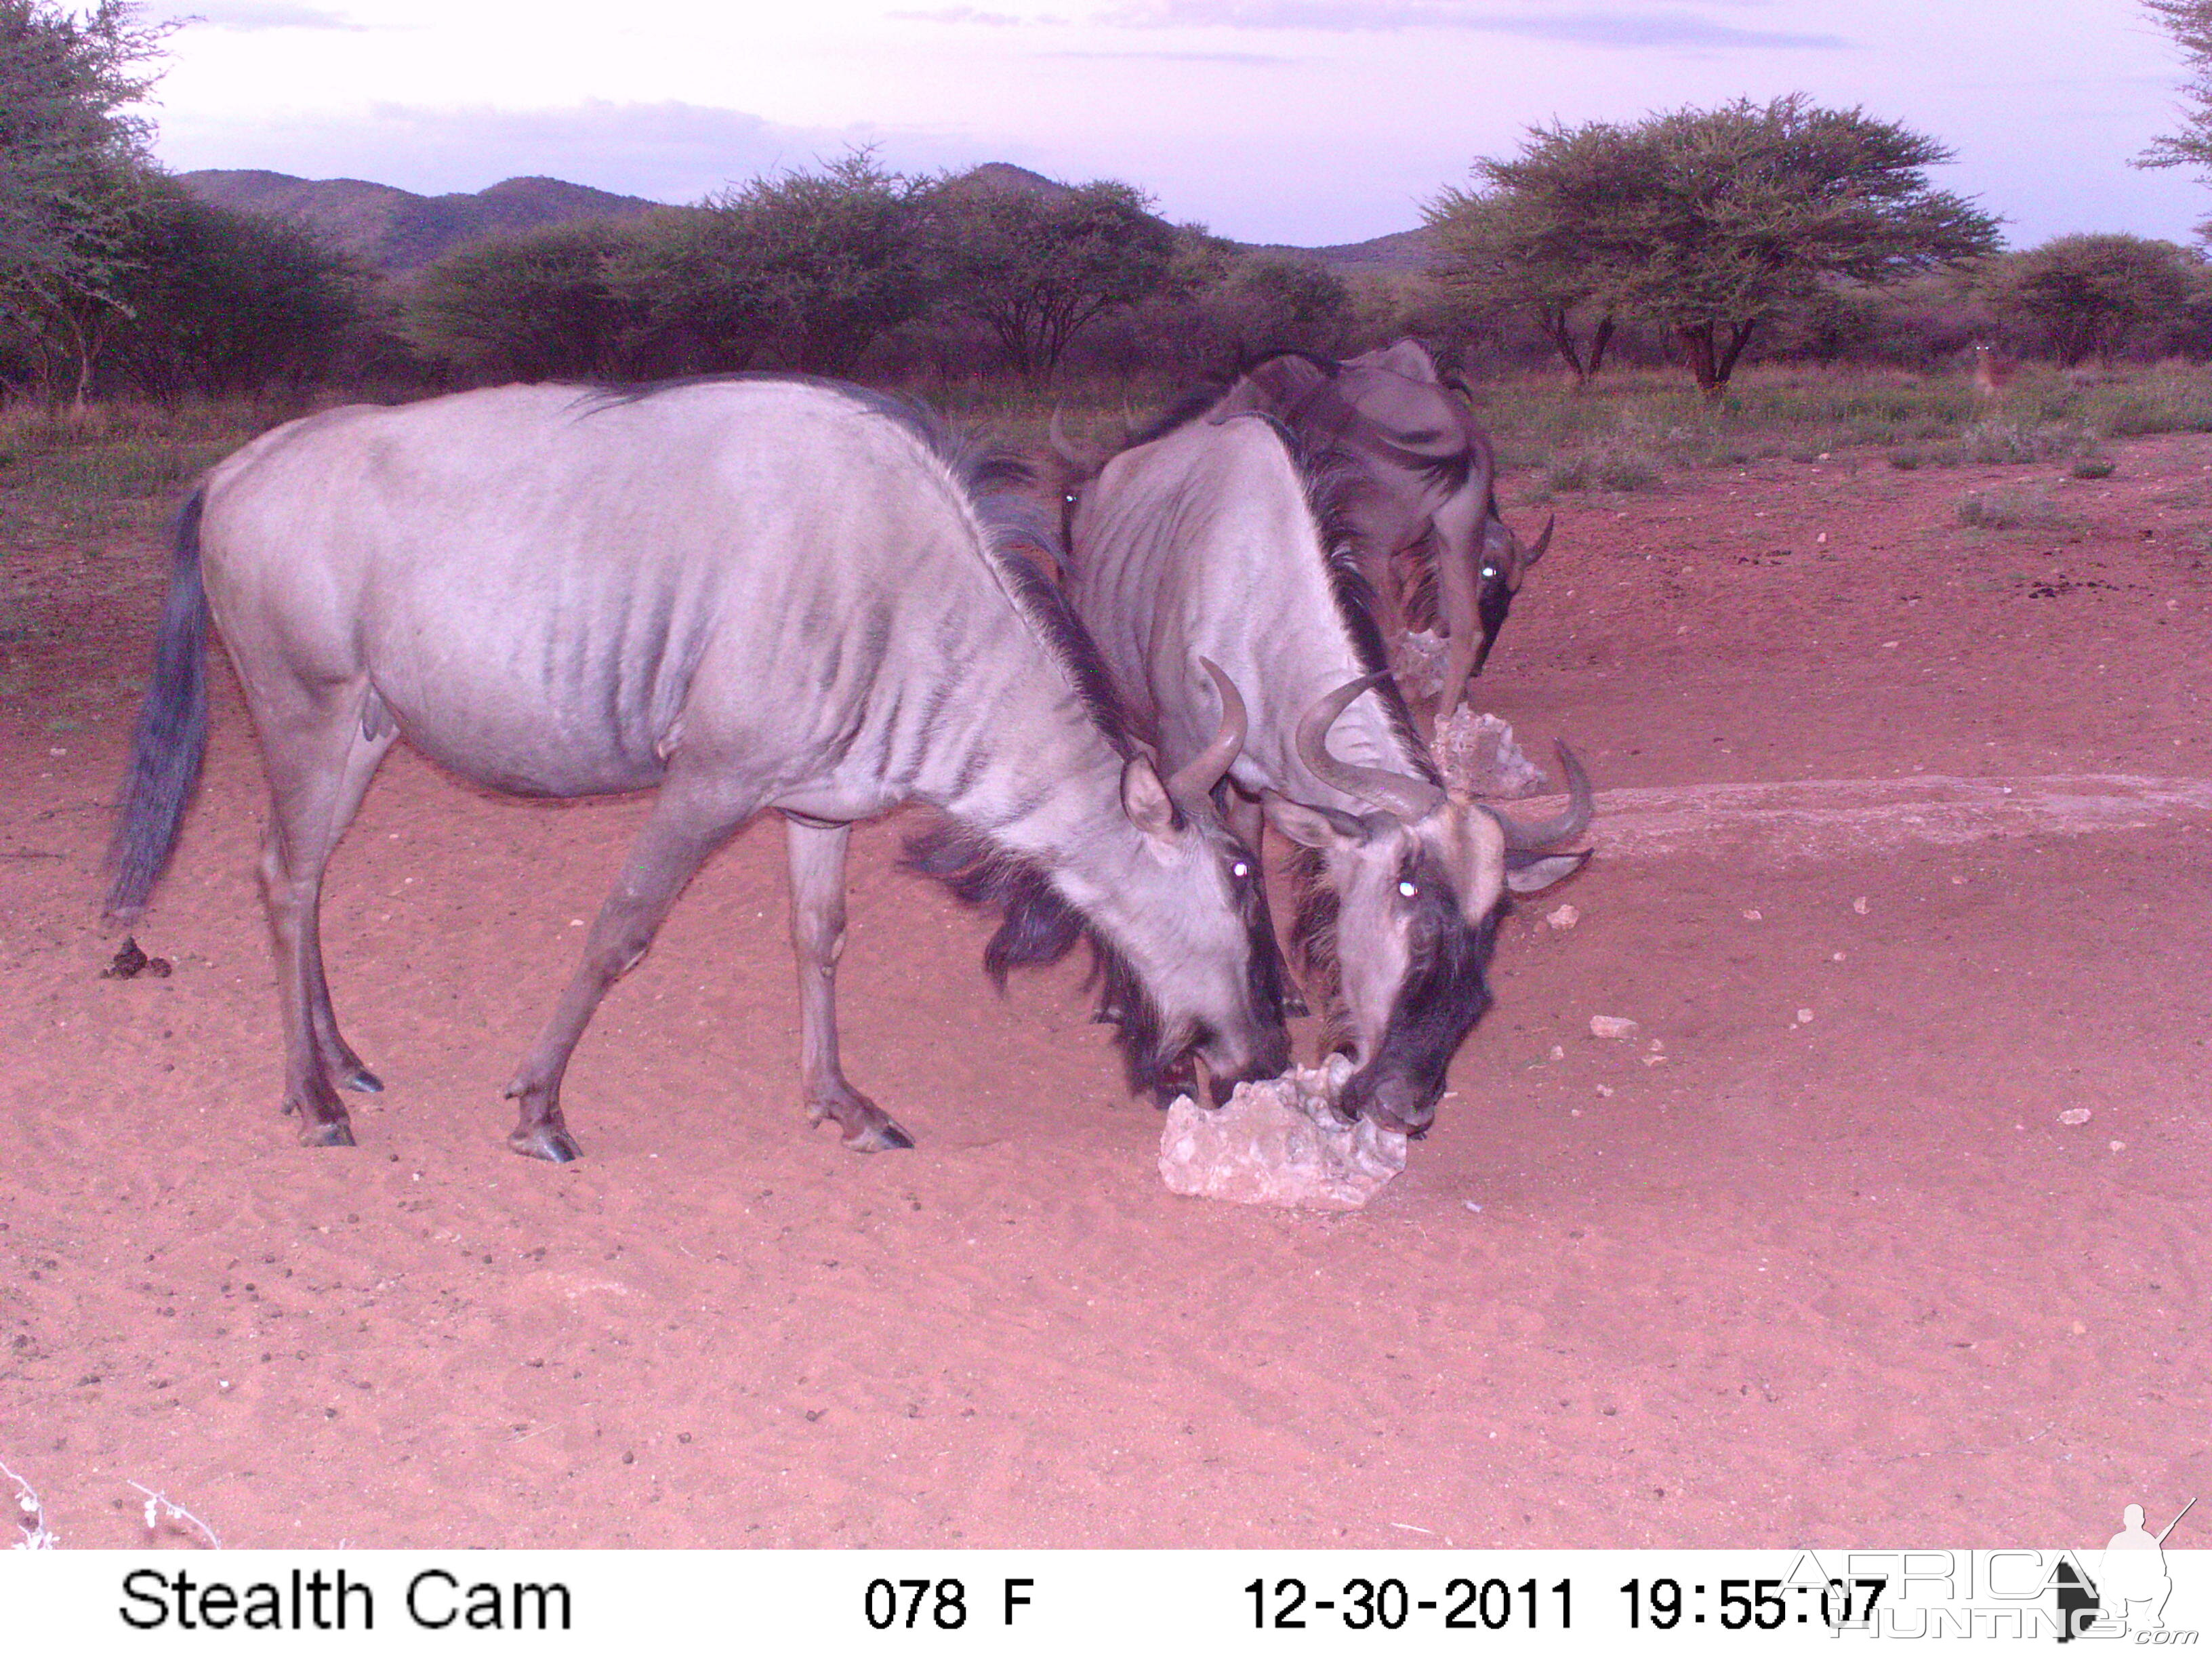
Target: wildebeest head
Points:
(1407, 910)
(1505, 560)
(1184, 949)
(1173, 989)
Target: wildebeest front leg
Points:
(818, 939)
(686, 825)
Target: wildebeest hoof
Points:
(339, 1132)
(866, 1127)
(878, 1137)
(550, 1141)
(361, 1080)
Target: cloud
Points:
(996, 19)
(1590, 28)
(666, 152)
(257, 17)
(1173, 56)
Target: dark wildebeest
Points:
(1400, 882)
(1424, 516)
(750, 593)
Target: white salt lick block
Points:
(1279, 1143)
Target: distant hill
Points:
(395, 230)
(1401, 250)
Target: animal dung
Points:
(1612, 1027)
(1477, 757)
(1280, 1143)
(130, 962)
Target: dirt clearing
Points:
(1810, 1259)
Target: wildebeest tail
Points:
(172, 734)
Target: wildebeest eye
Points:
(1240, 869)
(1489, 571)
(1406, 890)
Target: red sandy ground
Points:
(1847, 1281)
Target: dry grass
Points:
(2018, 507)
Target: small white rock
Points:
(1804, 1016)
(1859, 905)
(2074, 1117)
(1752, 916)
(2119, 1146)
(1564, 917)
(1611, 1026)
(1557, 1053)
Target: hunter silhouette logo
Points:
(2129, 1590)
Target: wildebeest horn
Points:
(1524, 837)
(1056, 436)
(1409, 798)
(1542, 542)
(1194, 779)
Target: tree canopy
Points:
(1038, 266)
(2190, 23)
(73, 168)
(532, 305)
(1703, 221)
(2094, 294)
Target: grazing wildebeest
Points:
(1424, 517)
(752, 593)
(1400, 882)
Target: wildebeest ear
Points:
(1144, 799)
(1321, 828)
(1539, 873)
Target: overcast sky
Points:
(1301, 121)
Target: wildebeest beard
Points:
(1038, 927)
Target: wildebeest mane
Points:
(1038, 927)
(1211, 391)
(1313, 925)
(1333, 480)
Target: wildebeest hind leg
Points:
(818, 939)
(689, 822)
(319, 766)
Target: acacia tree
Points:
(1037, 265)
(1709, 221)
(530, 306)
(803, 272)
(2190, 23)
(73, 166)
(1521, 242)
(2093, 293)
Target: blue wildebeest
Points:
(1212, 541)
(748, 593)
(1423, 515)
